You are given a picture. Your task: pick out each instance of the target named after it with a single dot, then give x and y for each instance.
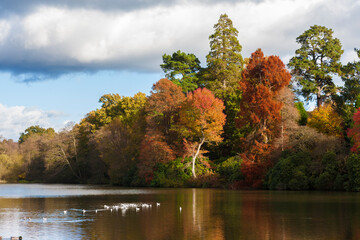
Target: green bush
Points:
(353, 173)
(229, 170)
(299, 180)
(172, 174)
(325, 180)
(290, 172)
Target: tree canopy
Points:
(315, 63)
(34, 130)
(182, 69)
(201, 120)
(224, 60)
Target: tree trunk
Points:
(195, 156)
(318, 98)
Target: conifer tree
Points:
(315, 63)
(224, 60)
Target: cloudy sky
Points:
(58, 57)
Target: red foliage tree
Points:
(354, 132)
(201, 120)
(161, 143)
(260, 111)
(154, 149)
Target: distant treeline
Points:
(238, 123)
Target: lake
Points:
(42, 211)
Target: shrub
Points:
(172, 174)
(290, 172)
(229, 170)
(353, 170)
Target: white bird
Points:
(96, 211)
(44, 219)
(180, 209)
(137, 209)
(84, 211)
(157, 204)
(65, 212)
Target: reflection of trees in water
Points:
(299, 216)
(220, 214)
(206, 214)
(199, 218)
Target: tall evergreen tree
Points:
(224, 60)
(315, 63)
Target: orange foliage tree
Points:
(354, 132)
(326, 120)
(260, 111)
(201, 120)
(161, 143)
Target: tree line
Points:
(236, 123)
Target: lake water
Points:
(36, 211)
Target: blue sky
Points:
(53, 103)
(57, 58)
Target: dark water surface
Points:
(36, 211)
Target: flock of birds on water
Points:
(123, 207)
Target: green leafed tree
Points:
(351, 77)
(35, 130)
(224, 60)
(182, 69)
(349, 98)
(316, 62)
(115, 106)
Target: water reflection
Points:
(206, 214)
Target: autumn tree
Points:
(118, 145)
(260, 112)
(62, 157)
(201, 120)
(127, 110)
(161, 143)
(11, 161)
(354, 132)
(315, 63)
(182, 69)
(289, 123)
(224, 61)
(34, 149)
(326, 120)
(163, 106)
(114, 106)
(262, 81)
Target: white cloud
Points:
(54, 39)
(14, 120)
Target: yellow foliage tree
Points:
(326, 120)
